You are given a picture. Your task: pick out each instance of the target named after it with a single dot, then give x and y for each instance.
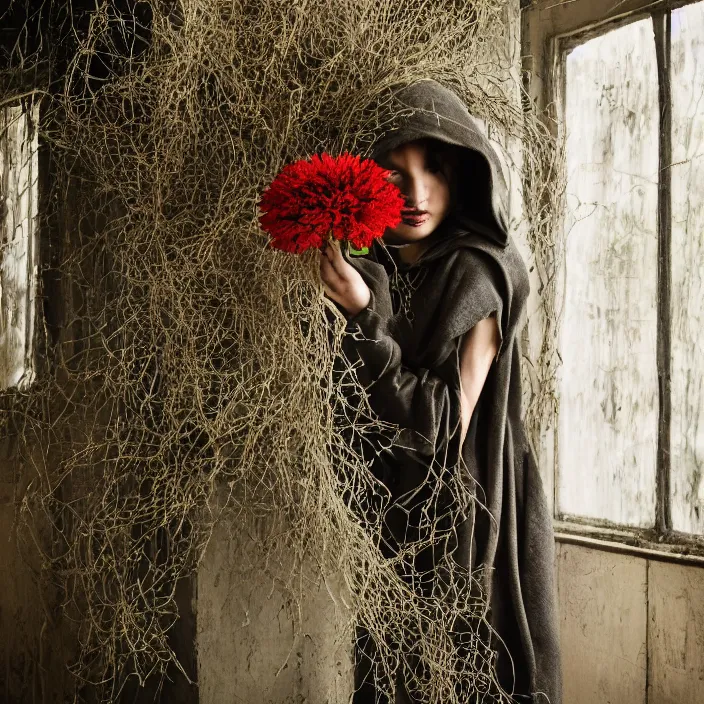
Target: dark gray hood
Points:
(428, 109)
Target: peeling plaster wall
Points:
(253, 644)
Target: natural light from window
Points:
(608, 393)
(687, 431)
(19, 174)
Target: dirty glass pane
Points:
(608, 389)
(687, 435)
(18, 250)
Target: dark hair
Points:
(474, 184)
(441, 153)
(469, 177)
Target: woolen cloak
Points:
(405, 346)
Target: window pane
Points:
(608, 393)
(18, 251)
(687, 435)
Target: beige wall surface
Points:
(602, 599)
(632, 629)
(254, 644)
(675, 634)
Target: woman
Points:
(433, 320)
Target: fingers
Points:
(338, 276)
(341, 281)
(334, 254)
(332, 284)
(328, 273)
(335, 286)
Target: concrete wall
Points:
(20, 608)
(632, 628)
(254, 644)
(36, 643)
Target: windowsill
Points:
(673, 547)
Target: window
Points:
(629, 429)
(19, 242)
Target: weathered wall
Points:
(36, 643)
(20, 607)
(254, 645)
(632, 628)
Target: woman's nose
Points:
(417, 192)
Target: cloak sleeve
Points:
(418, 400)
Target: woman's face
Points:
(425, 184)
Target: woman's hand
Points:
(341, 281)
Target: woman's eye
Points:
(393, 175)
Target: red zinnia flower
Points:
(346, 197)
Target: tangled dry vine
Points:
(179, 354)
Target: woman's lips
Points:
(415, 220)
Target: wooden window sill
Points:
(673, 547)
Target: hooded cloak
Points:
(405, 348)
